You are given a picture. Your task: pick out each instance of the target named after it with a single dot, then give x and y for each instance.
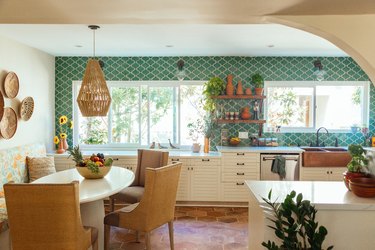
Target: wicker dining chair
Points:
(156, 207)
(47, 216)
(133, 193)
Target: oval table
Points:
(92, 193)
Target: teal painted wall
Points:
(69, 69)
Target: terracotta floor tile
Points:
(207, 218)
(227, 219)
(216, 213)
(205, 208)
(185, 209)
(223, 209)
(179, 214)
(197, 213)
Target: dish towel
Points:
(278, 166)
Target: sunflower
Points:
(56, 140)
(63, 135)
(63, 119)
(71, 124)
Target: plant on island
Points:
(359, 161)
(93, 163)
(294, 224)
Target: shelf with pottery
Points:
(220, 121)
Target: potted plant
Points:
(258, 82)
(294, 224)
(214, 87)
(195, 130)
(358, 166)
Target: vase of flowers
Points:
(61, 139)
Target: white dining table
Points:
(92, 193)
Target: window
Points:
(306, 106)
(142, 113)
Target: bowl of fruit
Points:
(94, 167)
(234, 141)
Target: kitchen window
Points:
(306, 106)
(141, 113)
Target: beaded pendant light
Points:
(93, 98)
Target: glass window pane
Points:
(339, 107)
(92, 130)
(125, 115)
(191, 111)
(290, 107)
(163, 114)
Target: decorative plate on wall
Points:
(27, 108)
(1, 106)
(11, 85)
(8, 125)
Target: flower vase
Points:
(245, 115)
(206, 148)
(230, 87)
(239, 88)
(65, 144)
(60, 149)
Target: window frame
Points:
(116, 146)
(314, 84)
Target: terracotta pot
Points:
(60, 149)
(239, 88)
(246, 113)
(230, 87)
(206, 148)
(259, 91)
(248, 91)
(351, 175)
(65, 144)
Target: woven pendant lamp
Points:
(93, 98)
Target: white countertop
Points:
(175, 153)
(260, 149)
(326, 195)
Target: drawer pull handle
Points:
(205, 159)
(240, 183)
(240, 173)
(240, 153)
(115, 159)
(240, 164)
(175, 159)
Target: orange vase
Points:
(65, 144)
(206, 148)
(248, 91)
(239, 88)
(246, 113)
(230, 87)
(60, 149)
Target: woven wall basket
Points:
(94, 98)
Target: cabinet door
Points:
(234, 191)
(183, 191)
(336, 173)
(205, 178)
(315, 174)
(63, 163)
(128, 162)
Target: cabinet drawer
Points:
(241, 166)
(205, 162)
(184, 161)
(239, 176)
(236, 191)
(240, 157)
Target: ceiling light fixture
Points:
(94, 98)
(319, 72)
(181, 74)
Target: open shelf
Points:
(220, 121)
(239, 97)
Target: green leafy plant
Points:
(257, 80)
(210, 124)
(76, 154)
(294, 224)
(359, 161)
(215, 86)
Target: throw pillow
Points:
(39, 167)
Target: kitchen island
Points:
(350, 220)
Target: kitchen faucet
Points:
(317, 135)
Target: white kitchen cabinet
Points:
(62, 162)
(128, 162)
(199, 179)
(322, 173)
(236, 168)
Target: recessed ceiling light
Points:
(270, 45)
(169, 46)
(78, 46)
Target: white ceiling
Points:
(186, 40)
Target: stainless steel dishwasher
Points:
(291, 167)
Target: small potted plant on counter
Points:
(358, 166)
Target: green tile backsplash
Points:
(69, 69)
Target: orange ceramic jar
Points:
(246, 113)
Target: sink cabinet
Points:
(322, 173)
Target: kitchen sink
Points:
(325, 157)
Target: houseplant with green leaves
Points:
(214, 87)
(294, 224)
(258, 81)
(358, 165)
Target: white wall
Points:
(36, 74)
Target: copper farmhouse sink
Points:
(325, 157)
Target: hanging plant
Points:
(214, 87)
